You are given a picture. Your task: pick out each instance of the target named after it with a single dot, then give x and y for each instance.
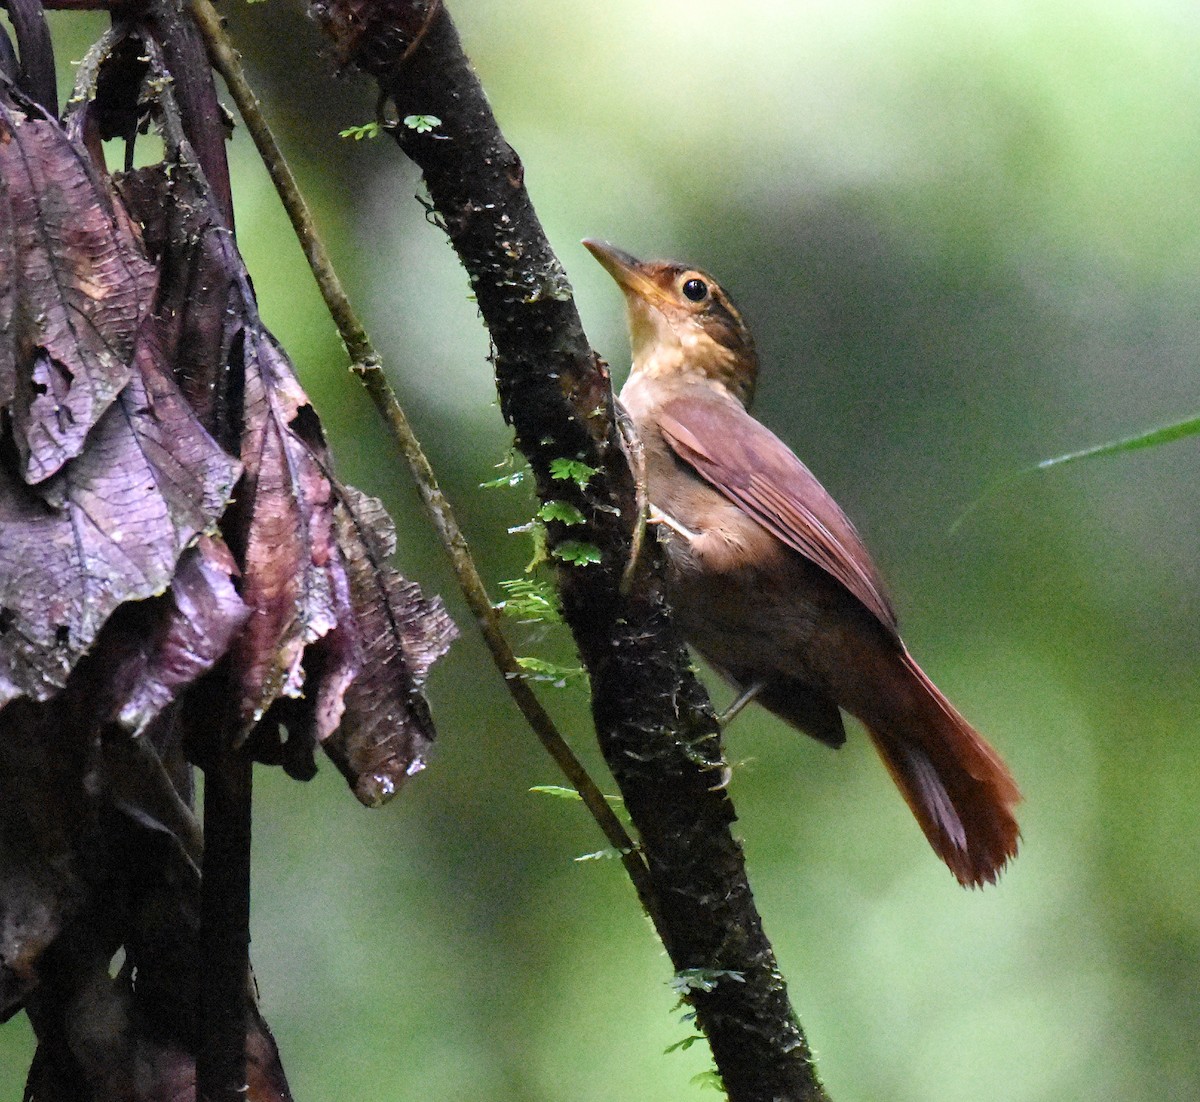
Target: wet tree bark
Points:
(653, 720)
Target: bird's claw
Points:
(657, 516)
(723, 783)
(739, 702)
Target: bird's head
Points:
(681, 322)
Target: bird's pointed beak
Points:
(628, 271)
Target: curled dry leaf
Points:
(185, 636)
(74, 287)
(340, 640)
(286, 505)
(339, 645)
(109, 527)
(370, 715)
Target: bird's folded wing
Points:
(757, 471)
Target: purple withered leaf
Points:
(74, 288)
(201, 281)
(369, 713)
(108, 528)
(336, 632)
(338, 645)
(193, 626)
(285, 502)
(282, 523)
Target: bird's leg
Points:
(637, 463)
(657, 516)
(740, 701)
(726, 717)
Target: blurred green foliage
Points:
(968, 237)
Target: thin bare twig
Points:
(367, 365)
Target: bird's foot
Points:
(657, 516)
(726, 776)
(740, 701)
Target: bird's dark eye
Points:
(695, 289)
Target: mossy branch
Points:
(653, 720)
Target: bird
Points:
(768, 579)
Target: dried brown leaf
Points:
(337, 637)
(108, 528)
(287, 505)
(74, 287)
(281, 527)
(200, 280)
(370, 715)
(187, 633)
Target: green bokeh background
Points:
(967, 236)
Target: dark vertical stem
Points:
(224, 928)
(196, 94)
(224, 942)
(36, 74)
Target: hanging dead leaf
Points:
(74, 288)
(108, 528)
(338, 641)
(183, 635)
(369, 714)
(286, 505)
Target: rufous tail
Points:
(958, 787)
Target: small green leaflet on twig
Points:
(505, 481)
(358, 133)
(577, 553)
(572, 470)
(708, 1080)
(683, 1045)
(531, 601)
(561, 792)
(1166, 434)
(537, 533)
(422, 124)
(537, 669)
(562, 511)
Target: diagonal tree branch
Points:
(368, 366)
(655, 725)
